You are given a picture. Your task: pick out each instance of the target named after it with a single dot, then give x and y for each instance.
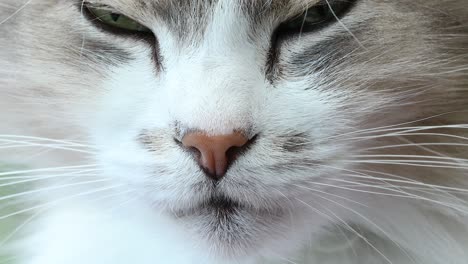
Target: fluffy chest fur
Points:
(237, 131)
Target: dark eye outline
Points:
(321, 15)
(297, 26)
(147, 37)
(87, 10)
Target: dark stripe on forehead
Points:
(187, 18)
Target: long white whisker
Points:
(404, 131)
(403, 193)
(384, 128)
(432, 134)
(408, 156)
(52, 146)
(72, 174)
(334, 195)
(405, 179)
(369, 221)
(413, 163)
(290, 202)
(434, 187)
(344, 26)
(59, 200)
(16, 12)
(19, 227)
(349, 228)
(80, 173)
(416, 145)
(401, 179)
(425, 148)
(6, 197)
(47, 169)
(66, 142)
(339, 225)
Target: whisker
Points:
(344, 26)
(6, 197)
(408, 156)
(72, 174)
(290, 202)
(52, 146)
(67, 142)
(349, 228)
(405, 179)
(370, 222)
(113, 208)
(47, 176)
(16, 12)
(339, 225)
(59, 200)
(334, 195)
(413, 163)
(20, 227)
(425, 148)
(383, 128)
(434, 187)
(388, 186)
(47, 169)
(405, 195)
(401, 179)
(432, 134)
(405, 131)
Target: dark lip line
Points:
(216, 203)
(224, 207)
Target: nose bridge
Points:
(213, 93)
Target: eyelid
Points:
(102, 7)
(105, 7)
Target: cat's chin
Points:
(229, 226)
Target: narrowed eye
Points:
(107, 17)
(320, 15)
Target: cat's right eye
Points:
(110, 19)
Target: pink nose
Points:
(214, 151)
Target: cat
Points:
(237, 131)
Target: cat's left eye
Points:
(107, 17)
(316, 17)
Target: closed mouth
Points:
(217, 205)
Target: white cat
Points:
(236, 131)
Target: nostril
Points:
(195, 152)
(192, 150)
(177, 141)
(233, 153)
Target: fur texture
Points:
(362, 132)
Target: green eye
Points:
(116, 20)
(318, 16)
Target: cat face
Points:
(298, 95)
